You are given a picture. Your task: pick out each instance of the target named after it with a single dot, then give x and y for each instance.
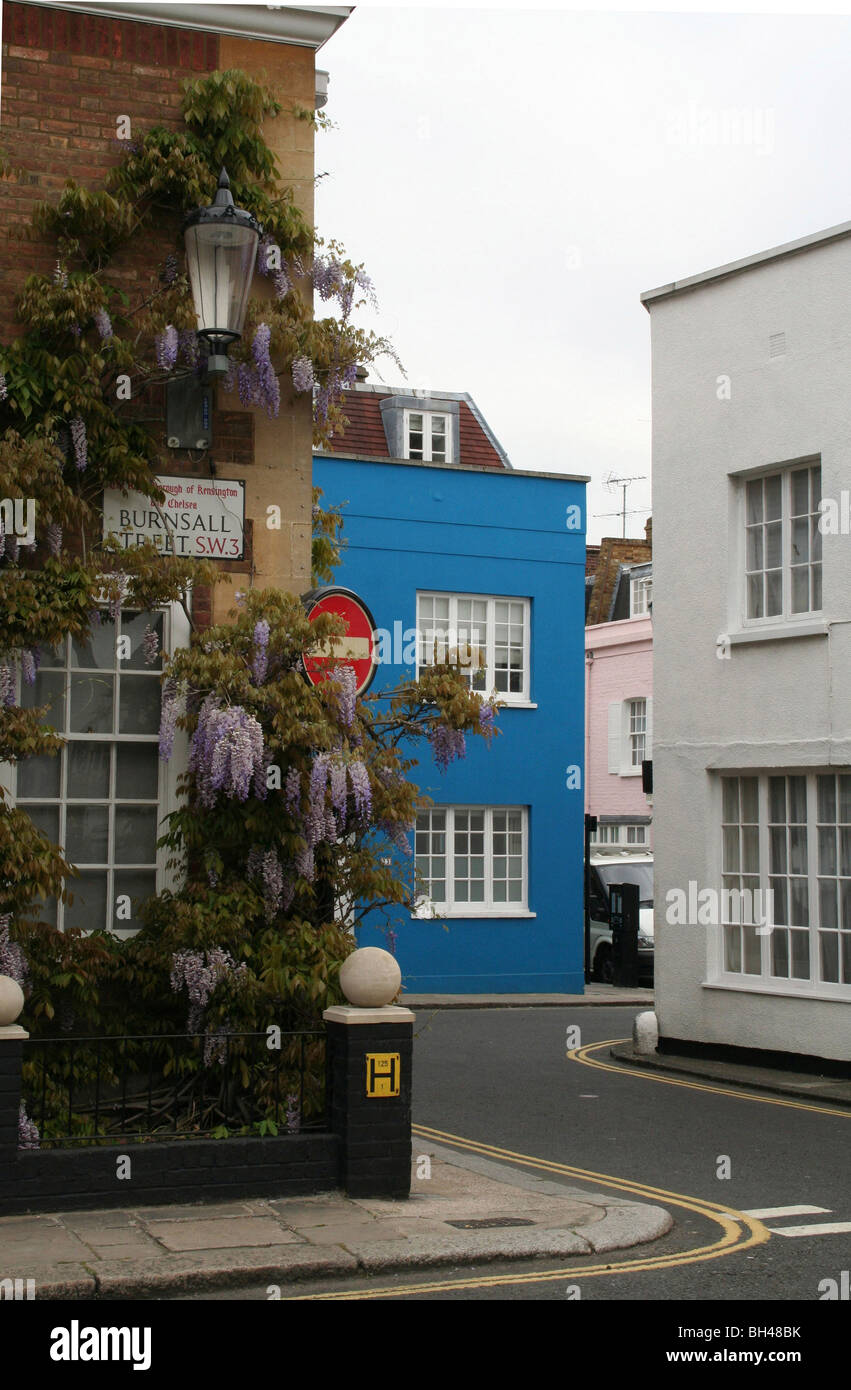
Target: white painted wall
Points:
(783, 703)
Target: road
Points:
(502, 1078)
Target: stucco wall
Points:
(487, 532)
(622, 669)
(781, 703)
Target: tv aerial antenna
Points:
(611, 483)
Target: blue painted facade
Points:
(430, 527)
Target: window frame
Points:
(489, 907)
(509, 697)
(643, 584)
(785, 618)
(175, 633)
(428, 440)
(718, 975)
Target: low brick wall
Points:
(209, 1170)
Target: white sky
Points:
(513, 179)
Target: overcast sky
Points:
(514, 179)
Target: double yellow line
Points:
(738, 1231)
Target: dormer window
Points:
(640, 590)
(428, 436)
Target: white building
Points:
(752, 649)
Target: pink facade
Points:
(618, 717)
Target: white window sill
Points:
(439, 916)
(782, 989)
(773, 632)
(518, 704)
(629, 772)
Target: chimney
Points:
(361, 373)
(648, 530)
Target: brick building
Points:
(70, 73)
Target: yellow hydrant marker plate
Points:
(383, 1073)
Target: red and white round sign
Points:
(356, 649)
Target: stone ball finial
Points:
(370, 977)
(11, 1000)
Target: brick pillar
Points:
(370, 1054)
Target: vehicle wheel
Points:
(604, 966)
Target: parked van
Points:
(606, 869)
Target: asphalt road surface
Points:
(503, 1079)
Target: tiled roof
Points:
(364, 433)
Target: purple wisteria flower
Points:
(486, 718)
(245, 384)
(103, 324)
(268, 389)
(28, 667)
(273, 883)
(350, 376)
(170, 709)
(28, 1135)
(361, 789)
(447, 744)
(80, 442)
(392, 938)
(303, 374)
(7, 687)
(216, 1046)
(339, 791)
(60, 276)
(4, 390)
(264, 247)
(188, 348)
(292, 791)
(199, 972)
(166, 344)
(315, 821)
(151, 645)
(398, 834)
(321, 405)
(304, 863)
(260, 659)
(118, 598)
(226, 751)
(13, 962)
(261, 775)
(170, 269)
(282, 283)
(346, 682)
(293, 1114)
(53, 536)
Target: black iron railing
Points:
(158, 1086)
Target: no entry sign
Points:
(355, 649)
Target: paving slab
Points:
(159, 1251)
(222, 1234)
(595, 995)
(779, 1080)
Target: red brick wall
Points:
(66, 79)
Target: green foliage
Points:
(65, 435)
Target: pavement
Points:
(468, 1210)
(595, 994)
(777, 1080)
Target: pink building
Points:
(619, 690)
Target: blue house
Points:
(451, 548)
